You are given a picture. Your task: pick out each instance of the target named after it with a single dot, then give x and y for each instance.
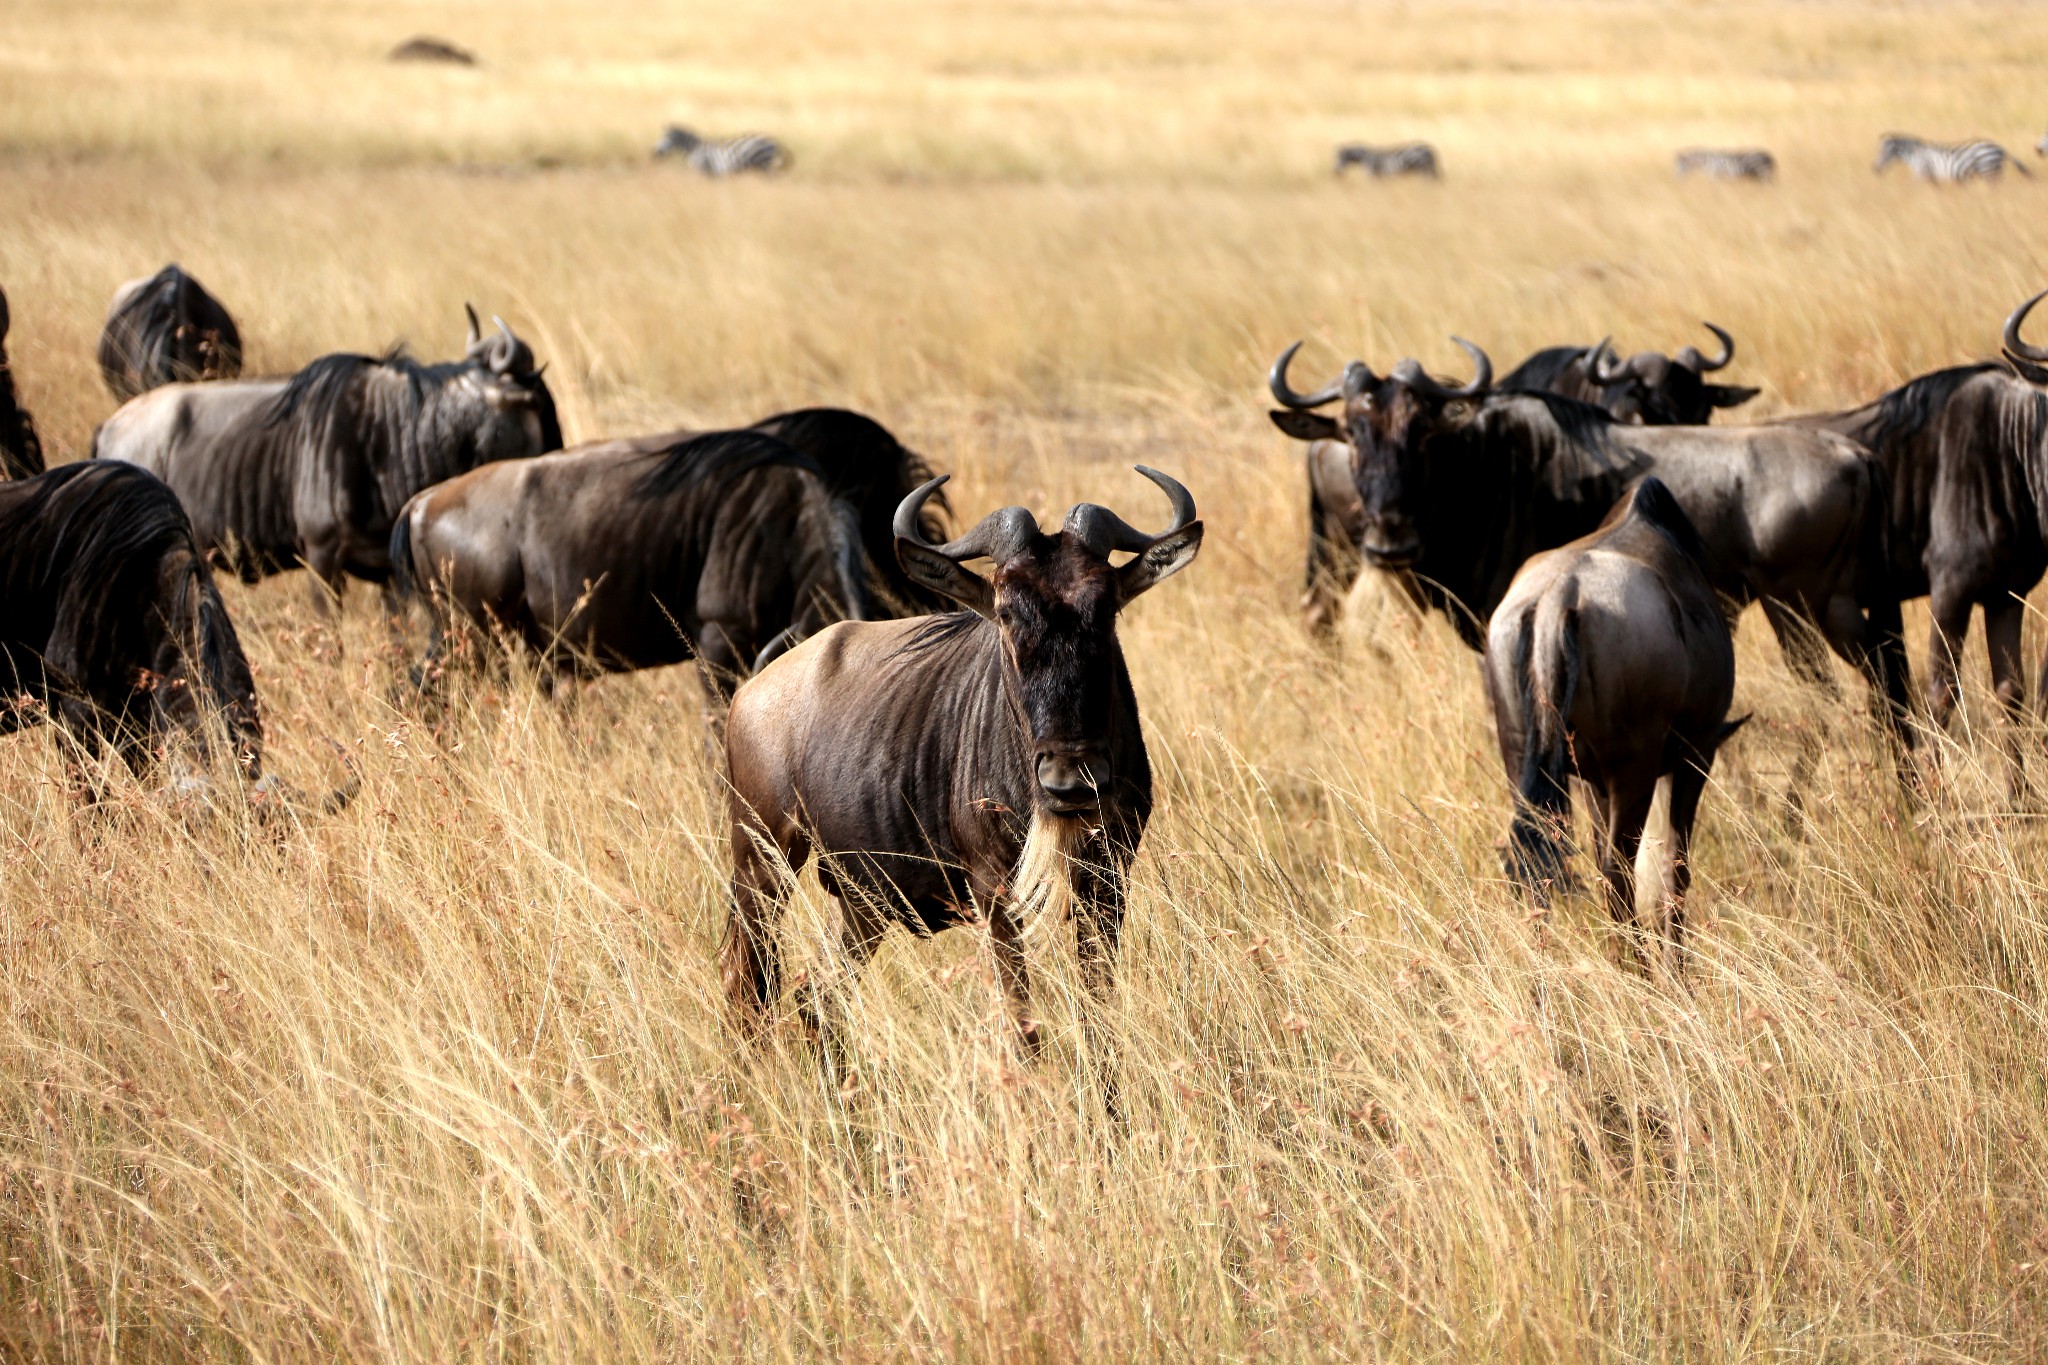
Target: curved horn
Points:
(2013, 343)
(1102, 530)
(504, 346)
(1597, 363)
(996, 536)
(1358, 377)
(1276, 380)
(476, 331)
(1411, 373)
(1727, 350)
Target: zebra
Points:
(725, 156)
(1750, 164)
(1945, 163)
(1410, 158)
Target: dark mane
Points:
(866, 465)
(942, 628)
(1914, 404)
(1540, 371)
(1572, 441)
(709, 462)
(1653, 502)
(316, 388)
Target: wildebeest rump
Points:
(863, 464)
(1609, 661)
(314, 469)
(1647, 388)
(166, 329)
(1459, 486)
(110, 625)
(1965, 450)
(948, 767)
(21, 450)
(611, 559)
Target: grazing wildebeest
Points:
(1965, 450)
(1609, 660)
(1750, 163)
(428, 49)
(950, 768)
(606, 560)
(110, 625)
(21, 450)
(1459, 486)
(166, 329)
(1648, 388)
(312, 470)
(719, 157)
(863, 464)
(1409, 158)
(1946, 163)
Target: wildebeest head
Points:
(502, 369)
(1656, 390)
(2030, 360)
(1386, 421)
(1054, 601)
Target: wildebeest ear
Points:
(930, 569)
(1307, 426)
(1728, 395)
(1164, 558)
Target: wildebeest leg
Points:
(1688, 784)
(1807, 657)
(1333, 568)
(1006, 942)
(860, 934)
(1948, 633)
(1619, 813)
(749, 964)
(1098, 925)
(2003, 618)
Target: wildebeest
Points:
(604, 559)
(312, 470)
(166, 329)
(1459, 486)
(1749, 163)
(21, 450)
(950, 768)
(1608, 660)
(717, 157)
(1648, 388)
(428, 49)
(863, 464)
(1965, 451)
(1946, 163)
(110, 625)
(1408, 158)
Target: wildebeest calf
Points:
(1609, 661)
(948, 768)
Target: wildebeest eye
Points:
(1457, 410)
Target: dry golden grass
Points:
(444, 1077)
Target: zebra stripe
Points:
(1945, 163)
(1410, 158)
(725, 156)
(1752, 164)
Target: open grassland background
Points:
(444, 1077)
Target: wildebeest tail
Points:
(1546, 667)
(864, 463)
(400, 555)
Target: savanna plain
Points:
(445, 1076)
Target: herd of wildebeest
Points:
(955, 745)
